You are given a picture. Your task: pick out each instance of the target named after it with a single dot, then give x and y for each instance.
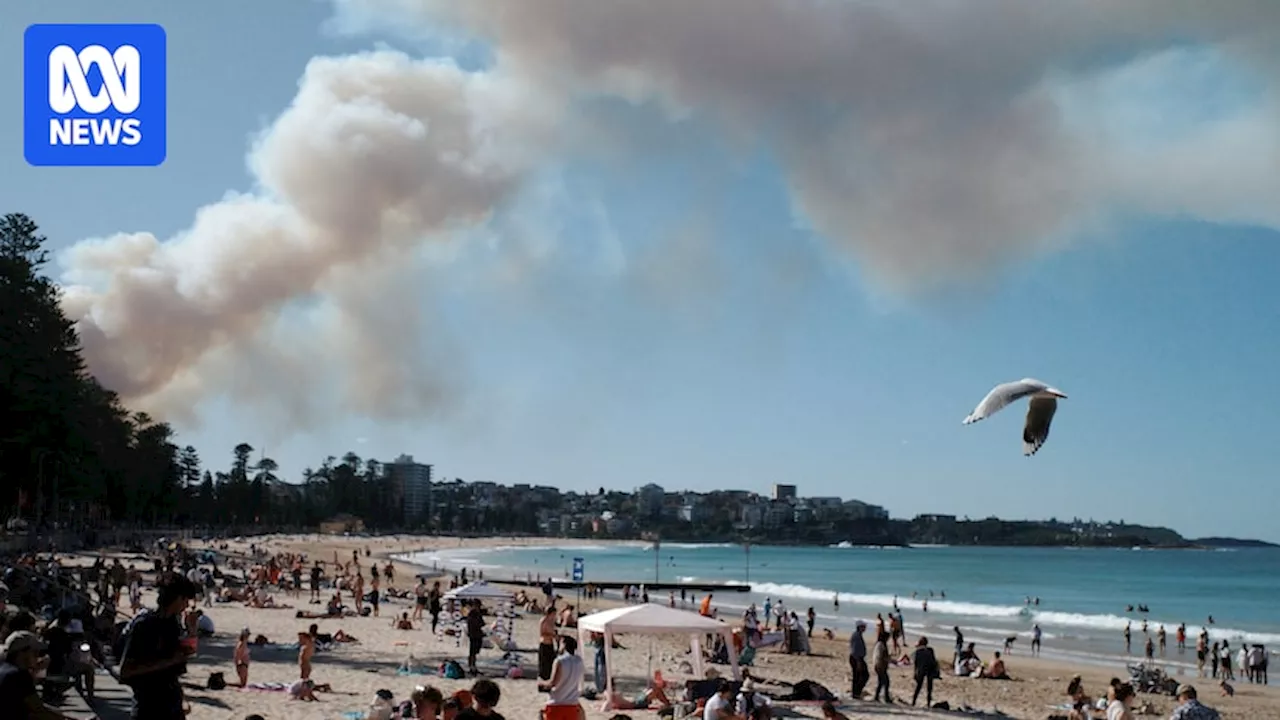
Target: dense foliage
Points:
(68, 448)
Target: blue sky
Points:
(667, 311)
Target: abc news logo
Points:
(69, 89)
(94, 95)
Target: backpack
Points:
(120, 648)
(121, 642)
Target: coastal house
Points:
(342, 523)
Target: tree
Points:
(68, 446)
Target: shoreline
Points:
(1088, 640)
(356, 670)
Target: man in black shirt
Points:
(154, 656)
(475, 637)
(24, 653)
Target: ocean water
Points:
(1083, 593)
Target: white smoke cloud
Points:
(934, 139)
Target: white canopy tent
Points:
(651, 619)
(482, 590)
(478, 590)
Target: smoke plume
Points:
(933, 139)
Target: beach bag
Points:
(217, 681)
(452, 670)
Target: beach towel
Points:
(265, 687)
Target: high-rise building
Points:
(411, 484)
(784, 492)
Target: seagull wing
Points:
(1000, 397)
(1039, 417)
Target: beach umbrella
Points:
(1040, 410)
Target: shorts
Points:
(473, 645)
(421, 601)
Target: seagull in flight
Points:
(1040, 410)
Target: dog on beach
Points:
(1008, 643)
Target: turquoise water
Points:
(1083, 592)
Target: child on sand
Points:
(241, 657)
(306, 649)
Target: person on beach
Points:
(306, 650)
(357, 593)
(997, 669)
(1189, 707)
(959, 645)
(600, 667)
(1227, 673)
(1215, 657)
(424, 703)
(154, 656)
(24, 657)
(565, 686)
(880, 663)
(434, 607)
(810, 618)
(1181, 637)
(1118, 709)
(753, 705)
(475, 637)
(547, 635)
(485, 695)
(858, 660)
(1160, 638)
(316, 573)
(1202, 643)
(720, 706)
(1257, 660)
(1128, 638)
(1036, 635)
(241, 657)
(925, 665)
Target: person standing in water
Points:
(1035, 639)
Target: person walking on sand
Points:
(880, 663)
(358, 593)
(419, 600)
(858, 660)
(925, 665)
(434, 607)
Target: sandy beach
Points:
(355, 671)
